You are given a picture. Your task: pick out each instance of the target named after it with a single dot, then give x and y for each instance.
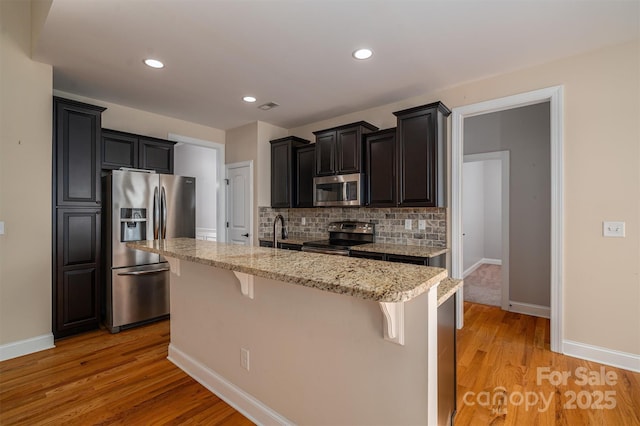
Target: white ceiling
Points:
(298, 53)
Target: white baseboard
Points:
(479, 263)
(529, 309)
(246, 404)
(26, 347)
(605, 356)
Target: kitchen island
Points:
(290, 337)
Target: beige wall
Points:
(125, 119)
(25, 180)
(251, 143)
(601, 170)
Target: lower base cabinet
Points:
(76, 298)
(438, 261)
(447, 379)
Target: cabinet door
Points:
(155, 154)
(421, 156)
(77, 148)
(325, 153)
(119, 150)
(366, 255)
(76, 289)
(380, 168)
(349, 150)
(407, 259)
(280, 174)
(305, 165)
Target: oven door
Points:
(339, 190)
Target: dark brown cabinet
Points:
(447, 361)
(438, 261)
(121, 149)
(339, 149)
(305, 165)
(76, 217)
(421, 150)
(77, 153)
(380, 168)
(155, 154)
(76, 296)
(283, 165)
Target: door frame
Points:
(221, 211)
(238, 165)
(504, 158)
(553, 95)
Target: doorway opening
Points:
(204, 160)
(485, 218)
(553, 96)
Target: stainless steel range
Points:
(342, 236)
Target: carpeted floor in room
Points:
(484, 285)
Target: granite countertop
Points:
(447, 288)
(362, 278)
(400, 249)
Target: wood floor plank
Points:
(125, 379)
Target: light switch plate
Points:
(422, 224)
(2, 228)
(407, 224)
(613, 229)
(304, 220)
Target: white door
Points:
(239, 182)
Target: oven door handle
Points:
(325, 251)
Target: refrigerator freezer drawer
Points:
(138, 294)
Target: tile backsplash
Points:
(390, 223)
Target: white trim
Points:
(492, 261)
(250, 407)
(529, 309)
(505, 171)
(605, 356)
(220, 190)
(26, 346)
(248, 163)
(554, 95)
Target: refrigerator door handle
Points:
(154, 271)
(156, 213)
(163, 207)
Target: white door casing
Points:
(239, 183)
(553, 95)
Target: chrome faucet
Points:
(283, 230)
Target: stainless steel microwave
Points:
(338, 190)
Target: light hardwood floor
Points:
(103, 379)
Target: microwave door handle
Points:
(156, 213)
(163, 207)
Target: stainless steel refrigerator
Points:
(142, 206)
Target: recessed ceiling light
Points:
(362, 54)
(249, 99)
(153, 63)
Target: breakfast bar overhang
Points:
(303, 338)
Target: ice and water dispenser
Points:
(133, 225)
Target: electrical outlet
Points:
(422, 224)
(304, 220)
(613, 229)
(1, 228)
(244, 358)
(407, 224)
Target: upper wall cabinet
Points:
(380, 168)
(421, 150)
(77, 152)
(283, 166)
(339, 149)
(120, 149)
(305, 167)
